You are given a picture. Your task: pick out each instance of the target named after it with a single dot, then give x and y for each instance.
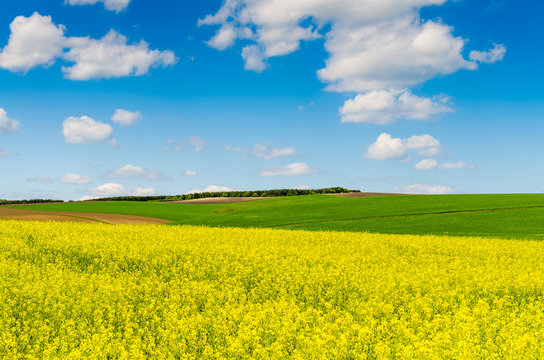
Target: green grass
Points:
(508, 215)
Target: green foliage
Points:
(32, 201)
(507, 216)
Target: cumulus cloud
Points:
(387, 107)
(364, 39)
(490, 56)
(387, 147)
(86, 130)
(41, 179)
(190, 174)
(126, 118)
(423, 189)
(211, 188)
(7, 125)
(130, 171)
(113, 189)
(37, 41)
(112, 57)
(34, 41)
(295, 169)
(75, 179)
(113, 5)
(426, 164)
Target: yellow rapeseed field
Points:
(97, 291)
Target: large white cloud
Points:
(386, 107)
(387, 147)
(86, 130)
(112, 57)
(36, 41)
(125, 117)
(114, 5)
(424, 189)
(372, 44)
(295, 169)
(7, 125)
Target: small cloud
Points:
(41, 179)
(113, 5)
(190, 173)
(426, 164)
(387, 147)
(383, 107)
(295, 169)
(4, 152)
(211, 188)
(75, 179)
(130, 171)
(423, 189)
(302, 187)
(489, 56)
(262, 151)
(86, 130)
(126, 118)
(196, 143)
(7, 125)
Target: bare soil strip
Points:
(114, 219)
(364, 194)
(218, 200)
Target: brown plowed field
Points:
(114, 219)
(218, 200)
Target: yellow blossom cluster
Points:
(96, 291)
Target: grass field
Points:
(506, 216)
(96, 291)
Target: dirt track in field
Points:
(219, 200)
(7, 213)
(364, 194)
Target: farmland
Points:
(506, 216)
(131, 292)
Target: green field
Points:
(506, 216)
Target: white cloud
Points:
(4, 152)
(261, 150)
(372, 44)
(423, 189)
(41, 179)
(387, 147)
(85, 130)
(295, 169)
(112, 57)
(126, 118)
(7, 125)
(455, 166)
(113, 189)
(387, 107)
(75, 179)
(113, 5)
(130, 171)
(490, 56)
(198, 144)
(211, 188)
(426, 164)
(36, 41)
(190, 173)
(302, 187)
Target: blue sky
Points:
(424, 96)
